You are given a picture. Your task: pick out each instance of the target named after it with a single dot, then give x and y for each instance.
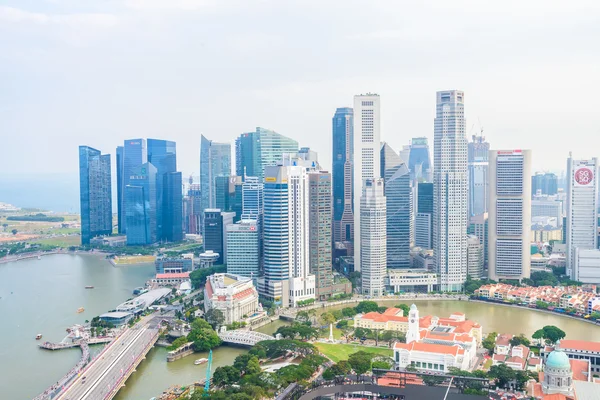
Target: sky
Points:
(97, 72)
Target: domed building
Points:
(558, 375)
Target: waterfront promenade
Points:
(107, 373)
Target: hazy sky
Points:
(96, 72)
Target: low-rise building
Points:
(235, 296)
(117, 318)
(143, 301)
(577, 350)
(502, 346)
(109, 241)
(169, 265)
(171, 279)
(421, 281)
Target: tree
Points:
(337, 314)
(226, 375)
(405, 309)
(366, 306)
(341, 368)
(203, 336)
(247, 364)
(432, 380)
(503, 374)
(520, 340)
(553, 334)
(538, 335)
(362, 332)
(14, 231)
(215, 318)
(259, 351)
(381, 365)
(342, 324)
(302, 316)
(381, 309)
(490, 342)
(348, 312)
(411, 368)
(360, 361)
(327, 318)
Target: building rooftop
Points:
(430, 348)
(175, 275)
(581, 345)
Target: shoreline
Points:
(29, 256)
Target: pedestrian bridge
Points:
(243, 337)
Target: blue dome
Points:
(413, 307)
(558, 360)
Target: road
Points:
(103, 377)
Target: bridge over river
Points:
(243, 337)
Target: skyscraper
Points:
(134, 155)
(478, 160)
(172, 207)
(287, 279)
(120, 189)
(544, 183)
(162, 154)
(140, 205)
(343, 155)
(228, 195)
(424, 216)
(450, 191)
(319, 226)
(398, 196)
(194, 218)
(510, 214)
(252, 198)
(582, 210)
(95, 193)
(259, 149)
(215, 232)
(419, 160)
(243, 249)
(373, 237)
(215, 160)
(474, 257)
(367, 155)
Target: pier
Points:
(77, 343)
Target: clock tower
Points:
(413, 325)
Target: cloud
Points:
(18, 16)
(176, 5)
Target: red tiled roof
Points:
(580, 369)
(516, 360)
(175, 275)
(503, 340)
(430, 348)
(376, 317)
(393, 311)
(580, 345)
(534, 361)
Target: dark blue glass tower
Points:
(419, 162)
(95, 193)
(172, 208)
(134, 155)
(120, 187)
(342, 175)
(140, 203)
(162, 154)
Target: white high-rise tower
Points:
(582, 206)
(373, 237)
(366, 156)
(450, 191)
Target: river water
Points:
(46, 294)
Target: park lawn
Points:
(337, 352)
(62, 241)
(130, 260)
(488, 364)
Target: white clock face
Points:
(412, 321)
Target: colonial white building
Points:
(235, 296)
(366, 157)
(435, 345)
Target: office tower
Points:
(120, 189)
(172, 207)
(194, 215)
(544, 206)
(424, 216)
(134, 155)
(252, 198)
(140, 205)
(215, 160)
(474, 257)
(366, 153)
(398, 196)
(285, 233)
(306, 154)
(478, 161)
(162, 154)
(405, 153)
(544, 183)
(228, 195)
(95, 194)
(450, 191)
(478, 226)
(373, 237)
(319, 226)
(510, 214)
(215, 232)
(243, 249)
(342, 180)
(419, 160)
(256, 150)
(582, 210)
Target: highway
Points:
(105, 375)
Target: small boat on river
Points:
(80, 310)
(38, 336)
(89, 287)
(201, 361)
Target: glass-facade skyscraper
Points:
(140, 203)
(120, 189)
(215, 232)
(228, 195)
(424, 217)
(545, 183)
(162, 154)
(342, 174)
(134, 155)
(259, 149)
(398, 197)
(243, 249)
(172, 207)
(419, 160)
(478, 159)
(95, 193)
(215, 160)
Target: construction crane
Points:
(208, 368)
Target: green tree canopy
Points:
(348, 312)
(404, 307)
(520, 340)
(360, 361)
(215, 318)
(366, 306)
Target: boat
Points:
(201, 361)
(80, 309)
(38, 336)
(39, 257)
(89, 287)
